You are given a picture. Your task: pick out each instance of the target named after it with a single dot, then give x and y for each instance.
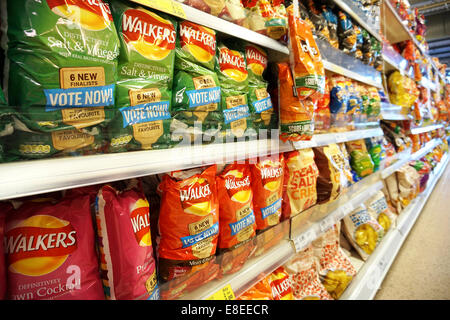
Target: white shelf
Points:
(401, 158)
(39, 176)
(336, 68)
(393, 112)
(370, 276)
(338, 137)
(213, 22)
(426, 129)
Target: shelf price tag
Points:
(226, 293)
(304, 239)
(167, 6)
(326, 223)
(341, 137)
(306, 144)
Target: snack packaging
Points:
(376, 151)
(362, 231)
(408, 184)
(339, 97)
(320, 23)
(188, 228)
(360, 160)
(144, 84)
(322, 116)
(50, 251)
(301, 174)
(123, 225)
(305, 59)
(260, 291)
(5, 208)
(379, 209)
(336, 270)
(281, 285)
(332, 22)
(346, 165)
(329, 161)
(296, 117)
(392, 190)
(303, 272)
(346, 33)
(267, 17)
(267, 186)
(237, 225)
(196, 96)
(231, 68)
(74, 86)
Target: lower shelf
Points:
(372, 273)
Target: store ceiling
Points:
(437, 16)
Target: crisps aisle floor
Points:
(421, 269)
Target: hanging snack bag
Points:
(329, 161)
(260, 102)
(237, 225)
(231, 68)
(362, 231)
(305, 59)
(144, 84)
(296, 117)
(336, 270)
(303, 272)
(75, 45)
(188, 226)
(50, 251)
(346, 33)
(267, 186)
(301, 174)
(360, 159)
(196, 95)
(128, 267)
(379, 209)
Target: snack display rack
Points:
(22, 179)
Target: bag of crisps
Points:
(5, 208)
(196, 95)
(329, 161)
(305, 59)
(360, 159)
(301, 174)
(379, 209)
(237, 223)
(303, 272)
(362, 231)
(296, 117)
(346, 164)
(332, 23)
(231, 68)
(144, 84)
(75, 45)
(322, 115)
(123, 226)
(188, 226)
(346, 33)
(267, 186)
(336, 270)
(260, 291)
(50, 251)
(281, 285)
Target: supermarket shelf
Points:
(341, 63)
(39, 176)
(369, 278)
(359, 16)
(252, 272)
(427, 148)
(393, 112)
(401, 159)
(338, 137)
(391, 24)
(312, 223)
(218, 24)
(426, 129)
(390, 65)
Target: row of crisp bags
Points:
(53, 250)
(107, 84)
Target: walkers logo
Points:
(232, 64)
(271, 173)
(147, 33)
(256, 59)
(198, 41)
(92, 15)
(39, 245)
(195, 196)
(238, 186)
(140, 220)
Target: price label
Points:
(304, 239)
(306, 144)
(382, 264)
(341, 137)
(167, 6)
(226, 293)
(326, 224)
